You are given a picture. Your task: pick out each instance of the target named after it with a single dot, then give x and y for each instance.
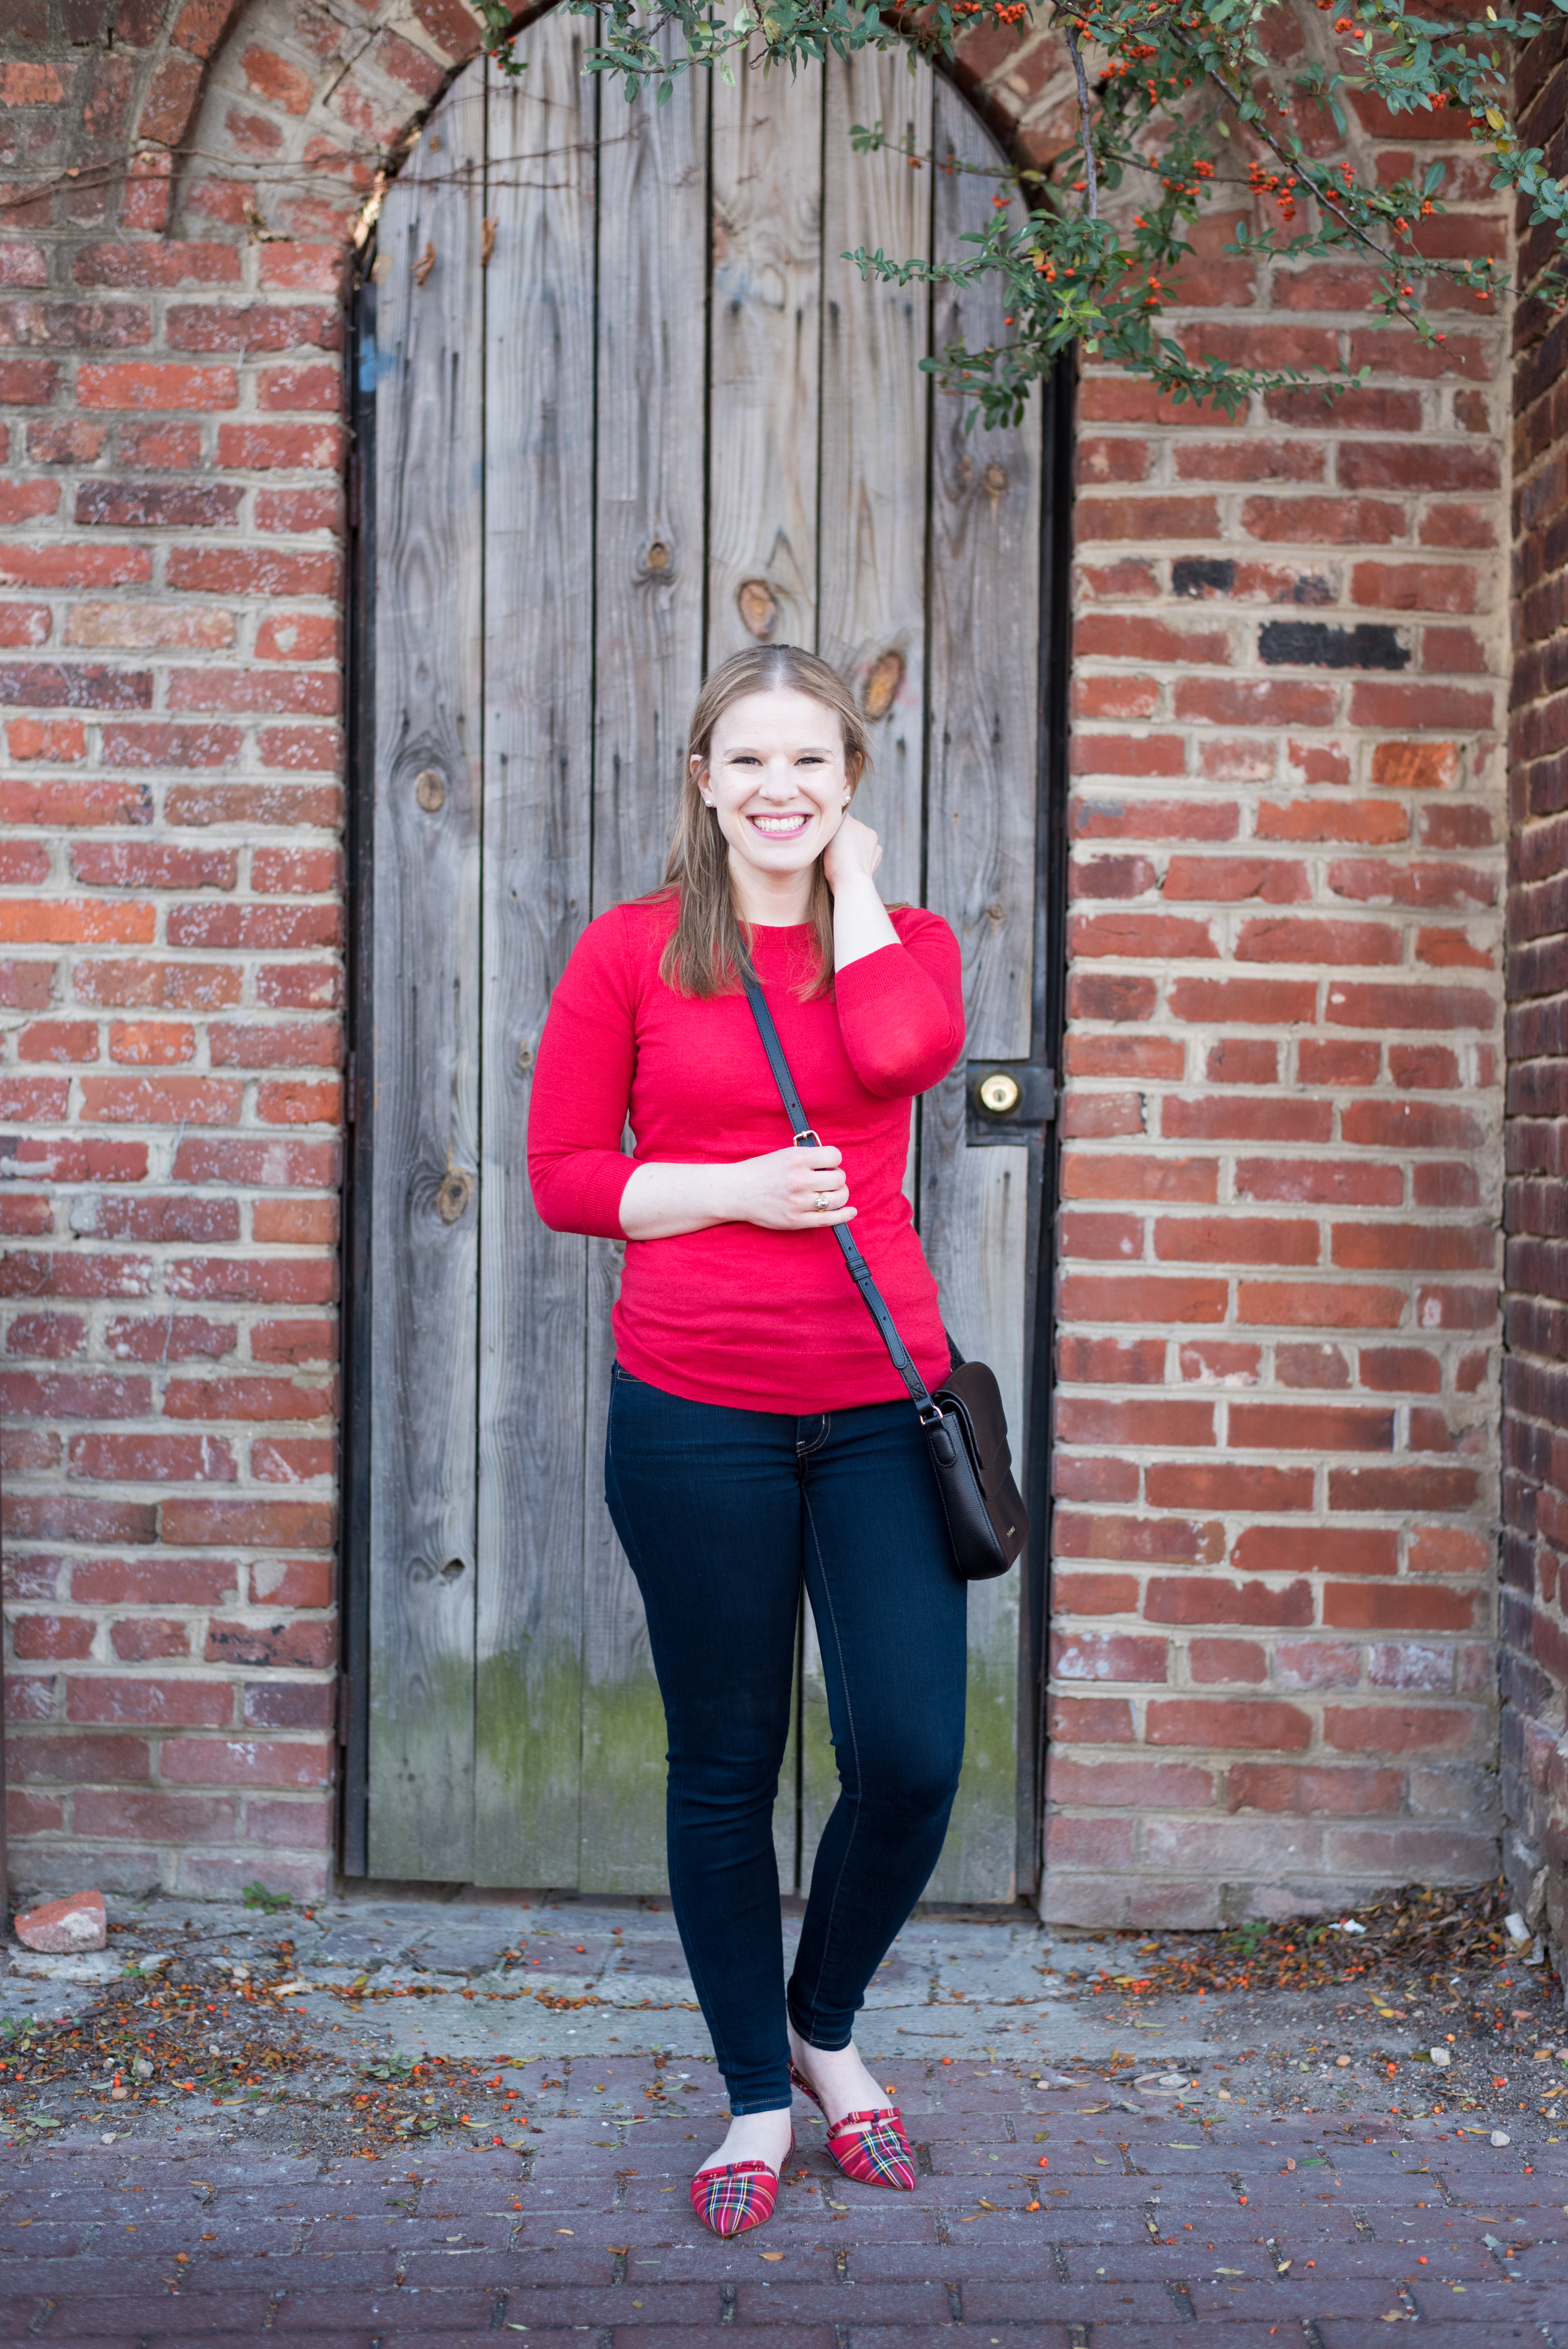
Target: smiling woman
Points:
(760, 1441)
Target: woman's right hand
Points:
(781, 1191)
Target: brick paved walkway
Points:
(1323, 2231)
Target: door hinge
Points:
(1007, 1100)
(345, 1707)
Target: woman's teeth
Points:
(781, 826)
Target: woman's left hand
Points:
(853, 855)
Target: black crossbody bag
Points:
(965, 1425)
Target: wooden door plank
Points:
(538, 622)
(648, 623)
(871, 622)
(765, 313)
(875, 410)
(980, 864)
(653, 269)
(423, 1087)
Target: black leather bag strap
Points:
(920, 1394)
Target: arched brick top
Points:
(318, 106)
(286, 85)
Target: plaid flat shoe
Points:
(870, 2147)
(741, 2195)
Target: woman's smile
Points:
(782, 827)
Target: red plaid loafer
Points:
(870, 2147)
(741, 2195)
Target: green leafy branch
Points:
(1181, 105)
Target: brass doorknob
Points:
(1000, 1093)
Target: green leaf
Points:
(256, 1896)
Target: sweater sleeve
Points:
(581, 1086)
(901, 1011)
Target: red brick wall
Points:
(1273, 1668)
(170, 925)
(1534, 1657)
(1273, 1673)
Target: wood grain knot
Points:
(488, 228)
(754, 601)
(430, 788)
(882, 681)
(658, 556)
(452, 1570)
(424, 265)
(457, 1189)
(996, 481)
(525, 1057)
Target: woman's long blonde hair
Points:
(708, 948)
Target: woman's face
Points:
(777, 776)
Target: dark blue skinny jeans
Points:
(723, 1515)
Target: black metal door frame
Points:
(1048, 1031)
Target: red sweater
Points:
(759, 1320)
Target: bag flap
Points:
(972, 1394)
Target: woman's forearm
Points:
(862, 924)
(661, 1202)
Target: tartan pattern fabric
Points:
(870, 2147)
(741, 2195)
(873, 2147)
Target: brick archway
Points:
(1277, 1427)
(291, 90)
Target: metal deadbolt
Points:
(1000, 1093)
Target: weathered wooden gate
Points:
(626, 408)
